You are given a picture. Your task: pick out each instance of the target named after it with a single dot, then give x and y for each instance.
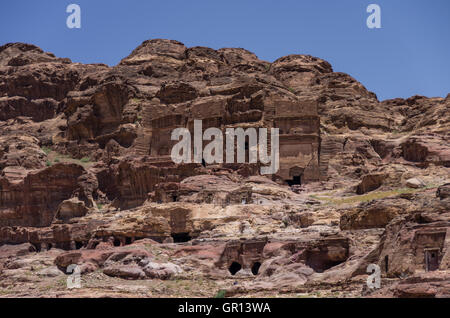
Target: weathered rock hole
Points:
(181, 237)
(117, 242)
(320, 262)
(37, 247)
(49, 246)
(255, 268)
(128, 240)
(78, 245)
(296, 180)
(234, 268)
(432, 260)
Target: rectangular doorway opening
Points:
(296, 180)
(431, 259)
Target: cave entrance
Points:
(78, 245)
(181, 237)
(255, 268)
(432, 259)
(174, 198)
(117, 242)
(128, 240)
(37, 247)
(386, 263)
(320, 262)
(234, 268)
(296, 173)
(296, 180)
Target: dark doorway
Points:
(181, 237)
(386, 263)
(320, 261)
(78, 245)
(174, 198)
(296, 180)
(432, 260)
(49, 246)
(203, 163)
(234, 268)
(116, 242)
(255, 268)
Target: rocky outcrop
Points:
(86, 178)
(33, 199)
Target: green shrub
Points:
(47, 150)
(48, 163)
(85, 160)
(220, 294)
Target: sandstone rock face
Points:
(415, 183)
(86, 178)
(33, 200)
(369, 183)
(71, 208)
(443, 191)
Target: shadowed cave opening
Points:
(432, 260)
(181, 237)
(296, 180)
(320, 262)
(37, 247)
(234, 268)
(78, 245)
(255, 268)
(116, 242)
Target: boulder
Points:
(415, 183)
(72, 208)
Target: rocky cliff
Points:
(85, 171)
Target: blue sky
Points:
(409, 55)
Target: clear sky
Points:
(409, 55)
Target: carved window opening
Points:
(234, 268)
(432, 260)
(181, 237)
(128, 240)
(78, 245)
(117, 242)
(296, 180)
(255, 268)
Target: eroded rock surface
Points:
(86, 179)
